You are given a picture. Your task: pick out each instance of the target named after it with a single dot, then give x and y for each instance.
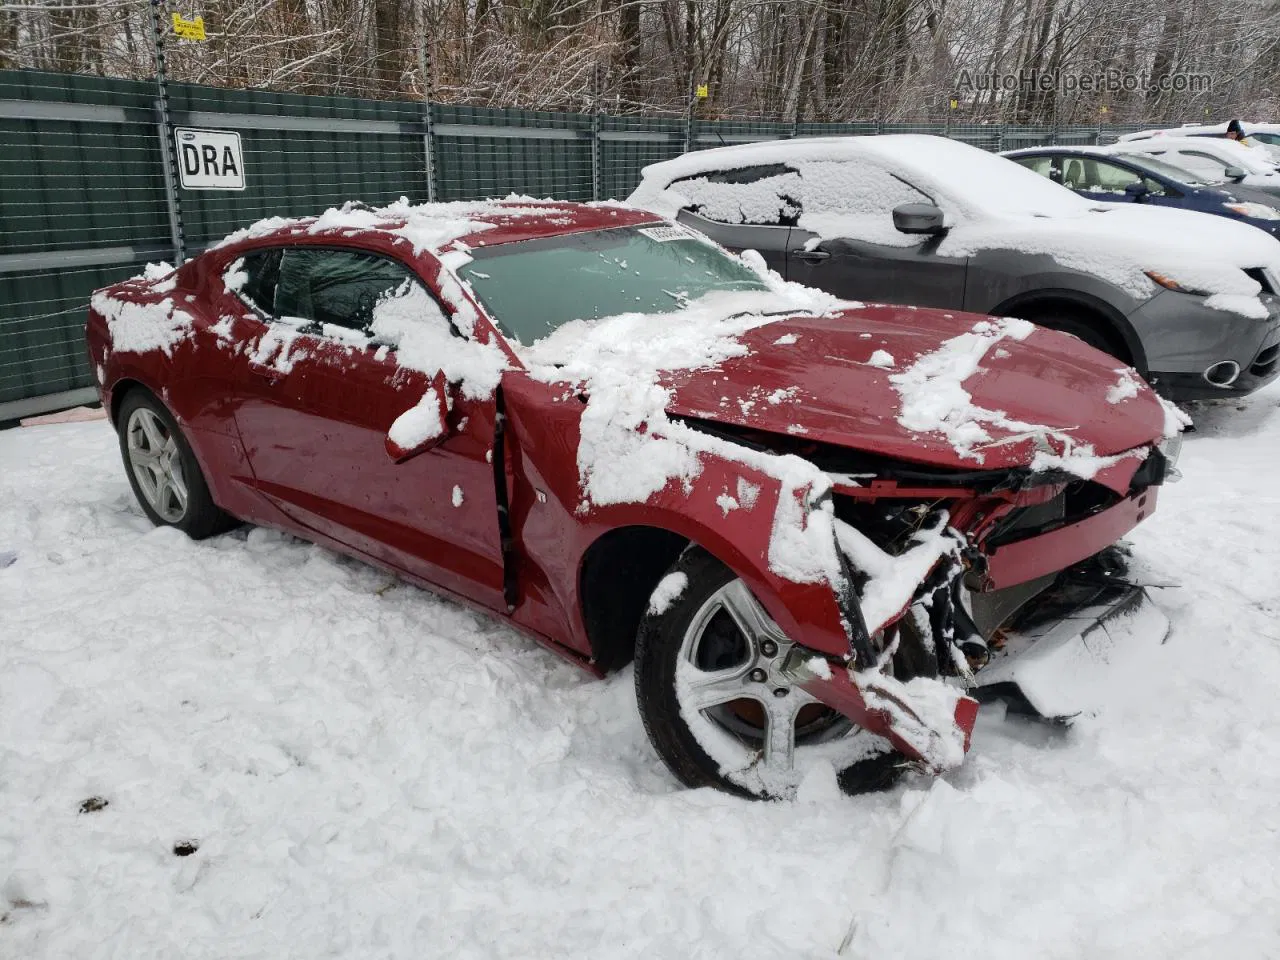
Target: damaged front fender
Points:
(927, 721)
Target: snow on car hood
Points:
(1122, 242)
(951, 390)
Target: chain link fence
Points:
(90, 185)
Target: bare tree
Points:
(789, 60)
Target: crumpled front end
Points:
(925, 718)
(949, 575)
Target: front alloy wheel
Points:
(713, 696)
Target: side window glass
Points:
(826, 196)
(338, 287)
(261, 272)
(1040, 165)
(749, 174)
(765, 195)
(1098, 176)
(1073, 177)
(408, 315)
(1203, 164)
(854, 196)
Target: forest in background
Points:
(794, 60)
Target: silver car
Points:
(1186, 298)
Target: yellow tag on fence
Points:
(188, 29)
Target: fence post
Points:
(688, 117)
(164, 127)
(999, 138)
(428, 120)
(597, 188)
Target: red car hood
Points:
(810, 377)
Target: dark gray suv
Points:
(1187, 298)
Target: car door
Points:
(320, 396)
(750, 208)
(863, 256)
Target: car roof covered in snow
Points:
(981, 184)
(1202, 130)
(433, 227)
(1088, 151)
(908, 149)
(1250, 159)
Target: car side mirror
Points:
(1234, 174)
(1136, 190)
(422, 427)
(918, 218)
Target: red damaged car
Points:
(821, 529)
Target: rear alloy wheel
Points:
(163, 472)
(716, 704)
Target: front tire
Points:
(712, 699)
(163, 471)
(1091, 329)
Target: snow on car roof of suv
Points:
(1249, 159)
(977, 182)
(430, 227)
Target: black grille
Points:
(1026, 521)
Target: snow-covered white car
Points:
(796, 514)
(1264, 137)
(1210, 159)
(1187, 299)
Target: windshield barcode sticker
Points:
(666, 232)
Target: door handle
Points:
(813, 256)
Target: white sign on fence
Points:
(209, 159)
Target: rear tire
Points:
(163, 471)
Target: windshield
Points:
(535, 286)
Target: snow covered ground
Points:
(370, 771)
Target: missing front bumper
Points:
(1073, 661)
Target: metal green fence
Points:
(88, 190)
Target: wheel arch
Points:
(622, 566)
(1082, 304)
(617, 575)
(121, 389)
(210, 450)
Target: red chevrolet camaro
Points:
(817, 527)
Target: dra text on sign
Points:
(209, 159)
